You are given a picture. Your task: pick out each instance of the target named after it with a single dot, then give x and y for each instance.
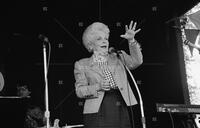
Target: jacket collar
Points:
(112, 64)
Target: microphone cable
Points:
(139, 94)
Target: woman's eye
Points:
(99, 38)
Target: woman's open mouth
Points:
(104, 46)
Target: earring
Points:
(90, 48)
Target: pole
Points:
(140, 99)
(47, 113)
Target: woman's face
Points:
(101, 44)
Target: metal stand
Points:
(47, 113)
(140, 99)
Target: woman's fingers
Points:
(137, 31)
(130, 25)
(126, 28)
(130, 30)
(134, 26)
(105, 85)
(123, 36)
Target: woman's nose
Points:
(105, 42)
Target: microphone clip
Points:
(113, 50)
(43, 38)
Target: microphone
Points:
(43, 38)
(113, 50)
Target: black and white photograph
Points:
(100, 64)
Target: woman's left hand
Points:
(130, 32)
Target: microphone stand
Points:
(47, 113)
(140, 99)
(139, 95)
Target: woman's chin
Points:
(104, 52)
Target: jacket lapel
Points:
(112, 65)
(94, 67)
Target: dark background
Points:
(63, 22)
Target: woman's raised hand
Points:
(130, 32)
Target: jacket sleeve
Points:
(135, 58)
(82, 87)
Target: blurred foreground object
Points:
(1, 81)
(22, 91)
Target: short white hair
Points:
(91, 32)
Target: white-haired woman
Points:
(102, 79)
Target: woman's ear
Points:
(91, 47)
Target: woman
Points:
(102, 81)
